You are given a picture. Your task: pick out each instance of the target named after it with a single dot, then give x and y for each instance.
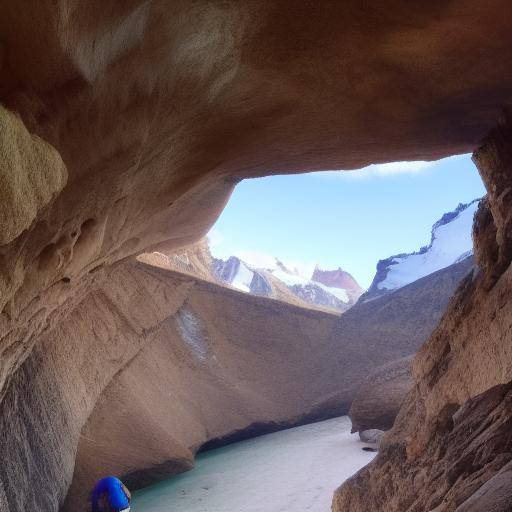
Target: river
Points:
(294, 470)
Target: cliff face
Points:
(226, 365)
(153, 364)
(124, 131)
(194, 259)
(338, 278)
(152, 113)
(449, 449)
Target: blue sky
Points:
(346, 219)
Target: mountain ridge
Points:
(334, 289)
(450, 243)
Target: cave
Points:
(124, 128)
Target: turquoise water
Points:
(290, 471)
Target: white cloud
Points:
(215, 238)
(399, 168)
(382, 170)
(257, 259)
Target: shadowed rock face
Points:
(450, 447)
(127, 124)
(381, 395)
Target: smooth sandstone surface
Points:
(228, 365)
(157, 108)
(155, 364)
(141, 116)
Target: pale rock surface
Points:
(32, 174)
(372, 436)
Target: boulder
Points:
(381, 395)
(371, 436)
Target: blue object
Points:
(109, 490)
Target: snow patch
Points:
(450, 242)
(295, 279)
(261, 260)
(192, 332)
(290, 279)
(243, 278)
(339, 293)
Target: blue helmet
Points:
(110, 495)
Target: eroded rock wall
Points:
(140, 116)
(151, 112)
(178, 396)
(227, 365)
(153, 364)
(381, 395)
(451, 443)
(53, 393)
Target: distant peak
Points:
(337, 278)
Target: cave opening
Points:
(124, 126)
(385, 247)
(331, 220)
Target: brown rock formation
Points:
(381, 395)
(126, 125)
(275, 374)
(194, 259)
(157, 108)
(450, 447)
(171, 362)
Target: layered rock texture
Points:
(174, 362)
(450, 447)
(226, 365)
(125, 126)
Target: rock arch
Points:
(145, 115)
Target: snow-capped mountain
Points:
(269, 276)
(338, 279)
(451, 242)
(239, 275)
